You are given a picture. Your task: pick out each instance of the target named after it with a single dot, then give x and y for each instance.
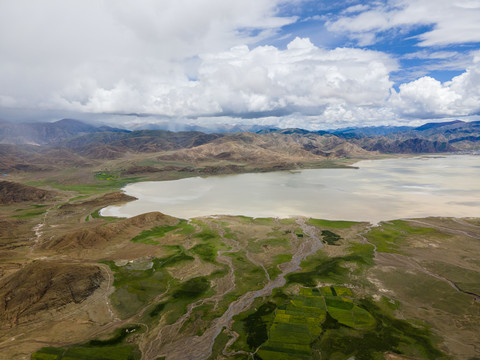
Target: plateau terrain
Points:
(77, 285)
(240, 180)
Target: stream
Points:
(200, 347)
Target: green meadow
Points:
(113, 348)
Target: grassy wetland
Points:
(231, 287)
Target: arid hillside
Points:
(11, 192)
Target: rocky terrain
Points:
(43, 286)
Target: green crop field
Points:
(299, 323)
(331, 224)
(329, 321)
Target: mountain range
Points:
(41, 146)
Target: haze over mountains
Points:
(71, 141)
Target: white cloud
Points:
(424, 54)
(452, 22)
(300, 78)
(169, 59)
(427, 97)
(355, 9)
(46, 44)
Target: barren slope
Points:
(44, 286)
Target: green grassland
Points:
(113, 348)
(120, 352)
(272, 269)
(333, 224)
(390, 236)
(29, 214)
(199, 319)
(465, 279)
(252, 325)
(98, 186)
(220, 343)
(209, 243)
(320, 267)
(184, 294)
(151, 236)
(135, 289)
(248, 276)
(259, 245)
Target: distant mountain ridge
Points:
(41, 146)
(44, 133)
(429, 126)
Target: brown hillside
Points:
(267, 148)
(11, 192)
(103, 200)
(43, 286)
(245, 147)
(99, 236)
(348, 150)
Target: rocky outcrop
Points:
(45, 286)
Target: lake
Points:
(378, 190)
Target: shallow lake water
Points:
(378, 190)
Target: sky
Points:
(313, 64)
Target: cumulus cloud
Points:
(452, 22)
(301, 78)
(302, 75)
(44, 45)
(179, 59)
(429, 98)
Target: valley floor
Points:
(76, 285)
